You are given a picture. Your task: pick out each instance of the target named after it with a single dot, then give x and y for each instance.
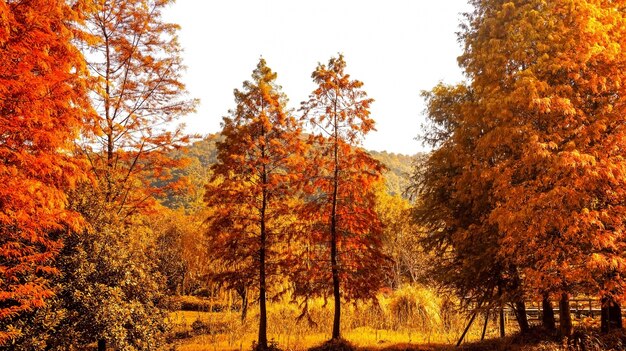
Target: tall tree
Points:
(341, 200)
(253, 186)
(547, 96)
(453, 198)
(135, 59)
(138, 96)
(43, 107)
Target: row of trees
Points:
(523, 196)
(290, 208)
(89, 95)
(87, 92)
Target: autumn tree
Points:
(453, 197)
(111, 288)
(253, 186)
(345, 259)
(545, 79)
(409, 261)
(135, 60)
(43, 107)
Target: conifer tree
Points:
(43, 108)
(543, 133)
(253, 188)
(135, 60)
(345, 259)
(138, 95)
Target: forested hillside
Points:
(399, 170)
(202, 154)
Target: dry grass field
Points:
(410, 318)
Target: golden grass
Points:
(411, 316)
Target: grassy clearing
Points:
(406, 318)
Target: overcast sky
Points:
(396, 47)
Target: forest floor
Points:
(205, 331)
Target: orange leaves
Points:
(137, 95)
(340, 190)
(253, 189)
(530, 159)
(44, 107)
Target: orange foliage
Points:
(43, 107)
(344, 257)
(532, 147)
(253, 187)
(136, 59)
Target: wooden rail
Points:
(579, 308)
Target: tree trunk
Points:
(244, 305)
(181, 290)
(262, 345)
(482, 337)
(469, 324)
(337, 299)
(102, 345)
(522, 318)
(333, 239)
(502, 331)
(547, 316)
(611, 316)
(565, 318)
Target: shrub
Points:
(194, 303)
(334, 345)
(413, 306)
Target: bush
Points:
(194, 303)
(271, 346)
(413, 306)
(335, 345)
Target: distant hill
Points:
(203, 153)
(399, 168)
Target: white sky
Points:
(396, 47)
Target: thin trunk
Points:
(262, 252)
(611, 316)
(242, 291)
(244, 305)
(482, 337)
(547, 316)
(333, 237)
(102, 345)
(502, 330)
(501, 312)
(469, 324)
(565, 318)
(522, 318)
(109, 120)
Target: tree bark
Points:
(547, 316)
(502, 329)
(333, 239)
(244, 305)
(262, 343)
(482, 337)
(611, 316)
(522, 318)
(565, 318)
